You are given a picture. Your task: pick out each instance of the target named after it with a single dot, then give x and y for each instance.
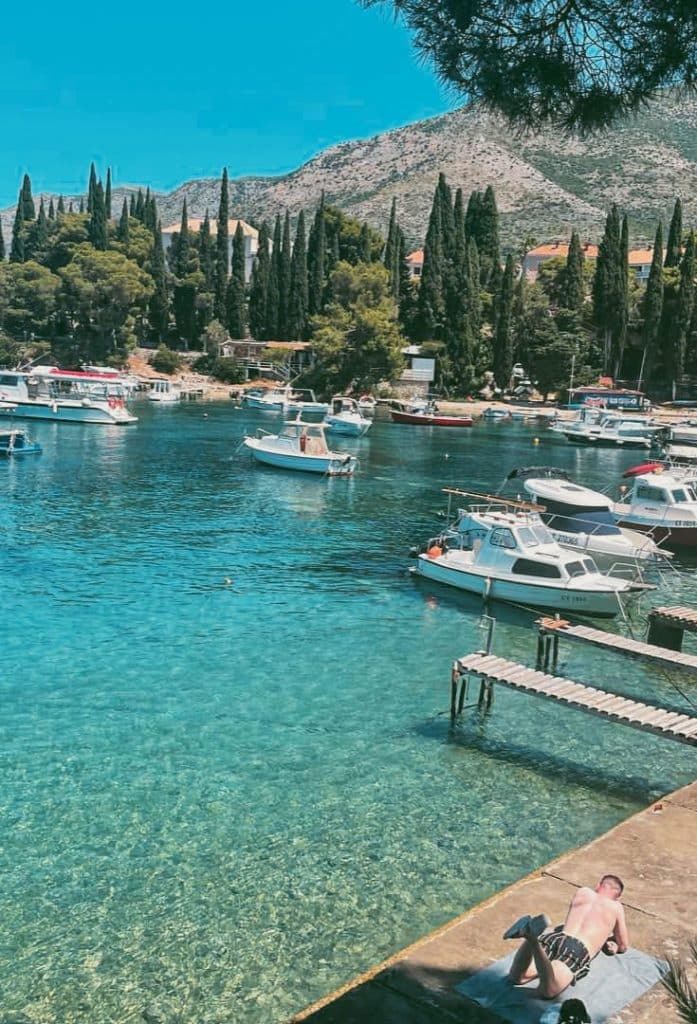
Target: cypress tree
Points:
(503, 333)
(406, 297)
(573, 291)
(97, 227)
(316, 260)
(431, 293)
(123, 232)
(222, 245)
(70, 207)
(140, 206)
(51, 209)
(284, 281)
(607, 288)
(36, 241)
(26, 200)
(620, 327)
(473, 216)
(685, 304)
(447, 218)
(297, 308)
(182, 255)
(235, 298)
(91, 187)
(472, 279)
(133, 204)
(159, 301)
(259, 285)
(17, 245)
(150, 213)
(2, 246)
(81, 208)
(334, 256)
(206, 254)
(674, 245)
(107, 195)
(364, 244)
(61, 205)
(487, 237)
(273, 292)
(652, 307)
(391, 254)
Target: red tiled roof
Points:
(562, 249)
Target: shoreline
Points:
(651, 850)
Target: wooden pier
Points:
(668, 624)
(491, 669)
(551, 628)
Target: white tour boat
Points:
(344, 417)
(301, 446)
(598, 427)
(164, 390)
(662, 503)
(512, 556)
(70, 396)
(582, 520)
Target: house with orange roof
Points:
(251, 239)
(415, 262)
(549, 251)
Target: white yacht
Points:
(511, 556)
(71, 396)
(582, 520)
(164, 390)
(300, 446)
(663, 504)
(598, 427)
(344, 417)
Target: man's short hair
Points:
(614, 881)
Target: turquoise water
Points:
(223, 800)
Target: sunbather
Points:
(563, 956)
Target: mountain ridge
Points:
(546, 183)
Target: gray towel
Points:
(613, 982)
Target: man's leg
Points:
(554, 975)
(520, 972)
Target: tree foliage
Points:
(578, 65)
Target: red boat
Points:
(430, 418)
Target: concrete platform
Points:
(653, 852)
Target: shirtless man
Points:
(563, 956)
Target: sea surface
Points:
(227, 778)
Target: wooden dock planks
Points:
(621, 644)
(676, 725)
(676, 615)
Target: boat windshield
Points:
(684, 494)
(533, 536)
(600, 524)
(581, 567)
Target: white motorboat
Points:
(683, 433)
(286, 400)
(662, 503)
(496, 412)
(269, 400)
(164, 391)
(367, 405)
(597, 427)
(511, 556)
(344, 417)
(303, 401)
(300, 446)
(72, 396)
(582, 520)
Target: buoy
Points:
(535, 440)
(434, 551)
(227, 581)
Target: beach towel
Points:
(613, 982)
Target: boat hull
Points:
(430, 420)
(347, 428)
(335, 465)
(66, 411)
(603, 604)
(676, 536)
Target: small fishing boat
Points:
(581, 519)
(345, 418)
(496, 412)
(164, 391)
(300, 446)
(511, 556)
(428, 416)
(611, 429)
(267, 400)
(663, 504)
(367, 405)
(286, 400)
(17, 442)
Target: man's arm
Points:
(619, 932)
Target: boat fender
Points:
(434, 551)
(644, 467)
(303, 442)
(113, 403)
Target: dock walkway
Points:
(647, 717)
(621, 644)
(653, 851)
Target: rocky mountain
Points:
(546, 183)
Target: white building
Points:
(251, 239)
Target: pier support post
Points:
(555, 651)
(454, 676)
(464, 686)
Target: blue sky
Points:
(167, 92)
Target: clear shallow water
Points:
(225, 800)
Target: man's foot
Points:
(517, 930)
(537, 925)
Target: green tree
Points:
(503, 329)
(36, 237)
(364, 244)
(17, 246)
(107, 194)
(28, 298)
(70, 233)
(60, 209)
(98, 221)
(182, 246)
(297, 307)
(674, 244)
(573, 290)
(123, 230)
(684, 306)
(259, 285)
(487, 238)
(51, 209)
(206, 254)
(91, 187)
(609, 291)
(652, 308)
(391, 254)
(431, 314)
(284, 281)
(222, 245)
(273, 288)
(235, 302)
(165, 360)
(158, 308)
(353, 246)
(316, 260)
(575, 65)
(357, 340)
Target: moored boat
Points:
(511, 556)
(300, 446)
(600, 428)
(15, 443)
(663, 504)
(428, 416)
(164, 391)
(71, 396)
(344, 417)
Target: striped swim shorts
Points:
(568, 950)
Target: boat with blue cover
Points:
(16, 442)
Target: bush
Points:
(223, 368)
(165, 360)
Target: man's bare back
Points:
(592, 917)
